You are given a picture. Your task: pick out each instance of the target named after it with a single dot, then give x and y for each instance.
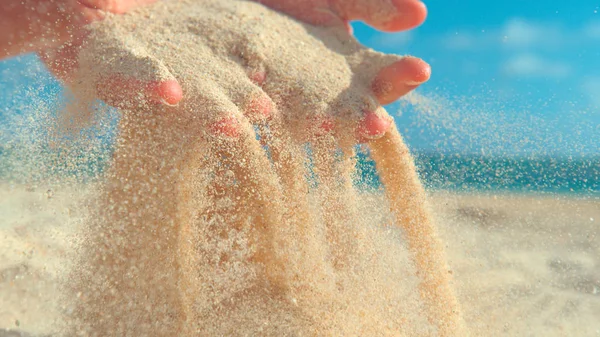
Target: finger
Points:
(252, 60)
(386, 15)
(322, 125)
(399, 78)
(373, 126)
(115, 90)
(316, 12)
(210, 107)
(228, 127)
(252, 101)
(168, 92)
(147, 80)
(115, 6)
(124, 92)
(258, 107)
(245, 88)
(257, 76)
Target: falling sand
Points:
(216, 221)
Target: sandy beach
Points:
(524, 265)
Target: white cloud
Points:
(460, 41)
(521, 33)
(591, 87)
(592, 30)
(515, 33)
(531, 65)
(391, 39)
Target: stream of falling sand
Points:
(197, 234)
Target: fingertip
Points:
(114, 6)
(373, 126)
(259, 107)
(122, 91)
(421, 70)
(399, 78)
(320, 126)
(228, 127)
(327, 125)
(258, 77)
(409, 14)
(169, 92)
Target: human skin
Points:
(55, 30)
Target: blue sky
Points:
(516, 77)
(509, 77)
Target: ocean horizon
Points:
(456, 172)
(517, 174)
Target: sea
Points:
(26, 89)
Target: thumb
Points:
(115, 6)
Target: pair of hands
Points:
(54, 28)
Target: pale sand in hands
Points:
(194, 233)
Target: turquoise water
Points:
(471, 173)
(454, 172)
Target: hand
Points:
(386, 15)
(351, 85)
(391, 83)
(55, 29)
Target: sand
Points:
(196, 233)
(193, 233)
(524, 265)
(196, 229)
(529, 263)
(214, 48)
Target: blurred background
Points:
(513, 103)
(514, 98)
(521, 62)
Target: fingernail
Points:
(259, 106)
(258, 77)
(374, 126)
(226, 127)
(166, 92)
